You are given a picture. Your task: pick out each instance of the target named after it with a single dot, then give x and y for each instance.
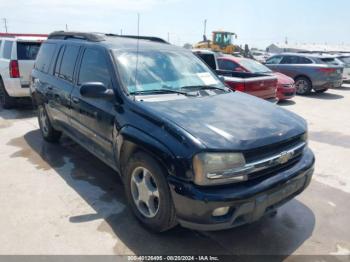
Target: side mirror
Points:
(95, 90)
(222, 79)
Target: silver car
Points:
(309, 71)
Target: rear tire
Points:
(148, 193)
(48, 132)
(303, 86)
(6, 101)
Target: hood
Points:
(230, 121)
(283, 79)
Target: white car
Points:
(260, 56)
(17, 57)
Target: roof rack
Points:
(149, 38)
(76, 35)
(98, 37)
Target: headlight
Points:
(218, 168)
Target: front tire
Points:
(148, 193)
(48, 132)
(6, 101)
(303, 86)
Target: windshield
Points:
(254, 66)
(160, 69)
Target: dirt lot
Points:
(59, 199)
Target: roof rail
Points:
(76, 35)
(97, 37)
(150, 38)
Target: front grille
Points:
(268, 172)
(271, 150)
(270, 168)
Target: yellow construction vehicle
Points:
(221, 42)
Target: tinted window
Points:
(7, 49)
(209, 59)
(330, 61)
(94, 68)
(274, 60)
(27, 51)
(304, 60)
(44, 57)
(68, 62)
(58, 61)
(290, 60)
(227, 65)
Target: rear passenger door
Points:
(60, 89)
(94, 117)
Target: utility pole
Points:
(168, 37)
(121, 31)
(66, 27)
(5, 23)
(205, 30)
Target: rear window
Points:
(330, 61)
(27, 51)
(254, 66)
(44, 57)
(7, 50)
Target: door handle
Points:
(75, 100)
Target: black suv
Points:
(188, 149)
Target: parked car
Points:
(285, 84)
(17, 56)
(188, 149)
(256, 84)
(309, 71)
(260, 56)
(344, 60)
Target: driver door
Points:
(94, 117)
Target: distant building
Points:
(281, 48)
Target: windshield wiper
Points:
(160, 91)
(204, 87)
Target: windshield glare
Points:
(159, 69)
(253, 66)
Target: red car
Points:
(285, 85)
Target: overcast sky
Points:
(257, 22)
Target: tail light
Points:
(327, 70)
(236, 86)
(14, 69)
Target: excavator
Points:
(221, 42)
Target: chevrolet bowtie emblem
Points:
(285, 157)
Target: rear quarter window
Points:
(27, 51)
(209, 59)
(44, 57)
(7, 49)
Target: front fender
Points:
(131, 139)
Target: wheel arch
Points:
(303, 76)
(131, 140)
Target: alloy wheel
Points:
(145, 192)
(302, 86)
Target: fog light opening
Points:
(220, 211)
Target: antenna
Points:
(5, 24)
(137, 46)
